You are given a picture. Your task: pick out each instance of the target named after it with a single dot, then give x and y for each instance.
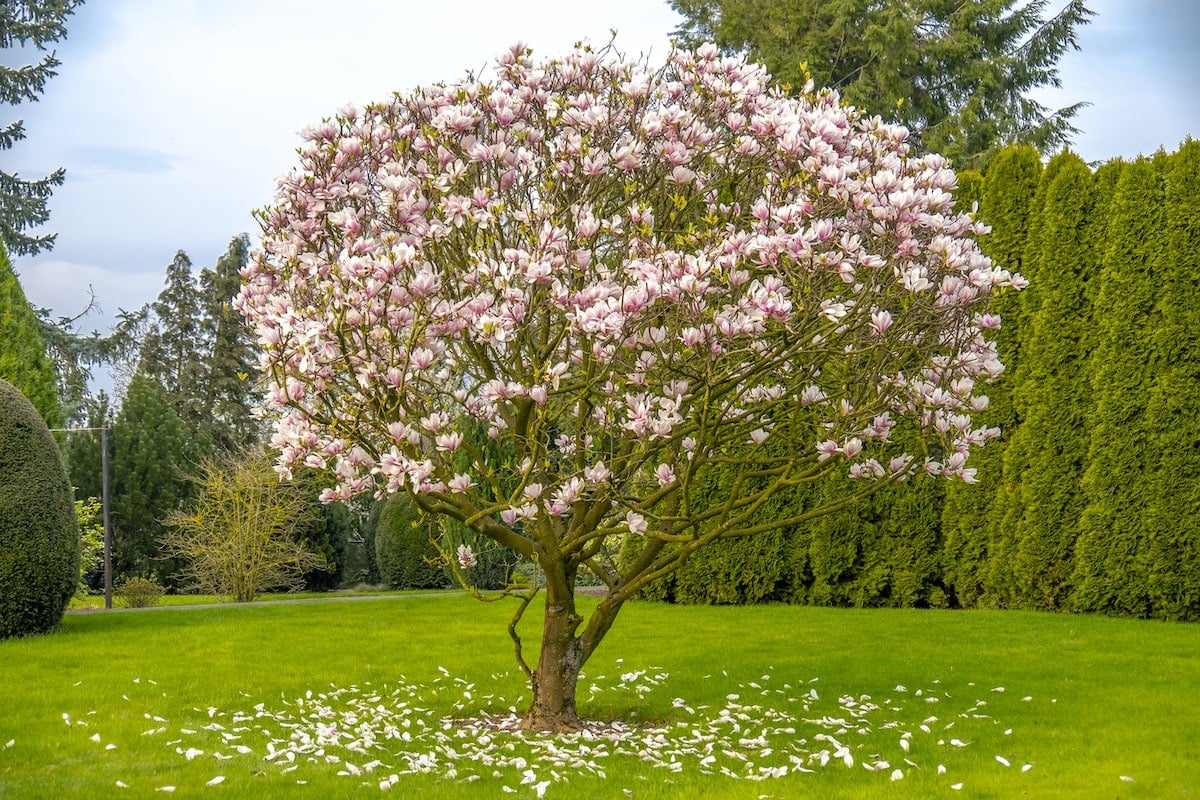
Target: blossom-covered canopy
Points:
(628, 276)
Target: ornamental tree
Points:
(636, 279)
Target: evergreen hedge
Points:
(1110, 572)
(1171, 559)
(39, 534)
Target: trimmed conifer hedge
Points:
(39, 535)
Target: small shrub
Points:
(139, 592)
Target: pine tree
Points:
(1006, 204)
(23, 359)
(230, 370)
(1046, 456)
(1170, 560)
(152, 452)
(1109, 569)
(23, 203)
(957, 74)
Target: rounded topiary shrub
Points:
(39, 535)
(403, 547)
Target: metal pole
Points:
(107, 526)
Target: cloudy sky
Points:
(173, 117)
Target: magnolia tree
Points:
(637, 282)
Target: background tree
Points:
(958, 75)
(634, 280)
(23, 203)
(23, 359)
(152, 454)
(174, 348)
(327, 534)
(405, 548)
(242, 535)
(39, 536)
(231, 365)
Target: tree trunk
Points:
(561, 658)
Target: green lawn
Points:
(1076, 706)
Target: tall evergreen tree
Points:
(1006, 203)
(959, 75)
(1047, 454)
(1122, 458)
(23, 203)
(174, 348)
(1171, 558)
(231, 366)
(152, 452)
(23, 359)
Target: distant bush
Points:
(39, 535)
(139, 592)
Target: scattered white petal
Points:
(165, 789)
(218, 779)
(1003, 761)
(95, 737)
(1127, 779)
(941, 770)
(122, 785)
(9, 743)
(897, 774)
(1026, 767)
(110, 746)
(956, 786)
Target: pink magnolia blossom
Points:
(466, 556)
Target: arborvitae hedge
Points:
(1170, 560)
(39, 535)
(1110, 574)
(969, 555)
(1047, 454)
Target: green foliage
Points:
(27, 25)
(39, 535)
(91, 540)
(1110, 573)
(23, 359)
(970, 189)
(959, 75)
(139, 592)
(405, 549)
(1170, 559)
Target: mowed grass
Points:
(1095, 707)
